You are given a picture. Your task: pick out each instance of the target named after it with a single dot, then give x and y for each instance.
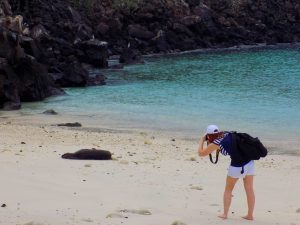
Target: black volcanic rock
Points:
(73, 75)
(194, 24)
(93, 52)
(50, 112)
(22, 78)
(75, 124)
(61, 32)
(97, 80)
(25, 80)
(43, 43)
(138, 31)
(130, 56)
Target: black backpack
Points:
(248, 147)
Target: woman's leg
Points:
(248, 184)
(230, 183)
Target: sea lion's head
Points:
(68, 156)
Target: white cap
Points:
(212, 129)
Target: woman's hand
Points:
(209, 149)
(203, 137)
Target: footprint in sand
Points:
(115, 215)
(87, 220)
(33, 223)
(194, 187)
(124, 162)
(178, 223)
(214, 204)
(146, 142)
(136, 211)
(192, 158)
(120, 213)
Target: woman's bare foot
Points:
(223, 216)
(248, 217)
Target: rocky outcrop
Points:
(42, 49)
(43, 43)
(63, 34)
(24, 80)
(22, 77)
(93, 52)
(73, 75)
(130, 56)
(97, 80)
(178, 25)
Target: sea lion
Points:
(88, 154)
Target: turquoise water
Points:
(252, 91)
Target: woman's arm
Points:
(209, 149)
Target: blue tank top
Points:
(225, 145)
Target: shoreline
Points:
(273, 144)
(236, 48)
(154, 179)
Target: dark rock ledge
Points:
(42, 46)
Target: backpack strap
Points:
(217, 157)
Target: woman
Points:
(221, 141)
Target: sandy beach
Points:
(155, 179)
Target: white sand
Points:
(151, 175)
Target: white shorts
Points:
(235, 172)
